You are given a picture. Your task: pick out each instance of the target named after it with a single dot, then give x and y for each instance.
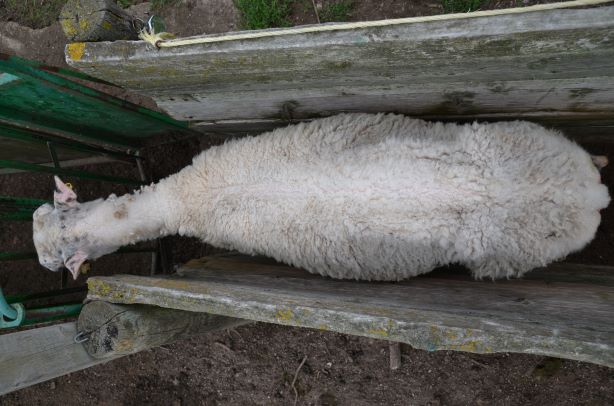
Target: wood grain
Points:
(115, 330)
(557, 63)
(96, 20)
(565, 314)
(34, 356)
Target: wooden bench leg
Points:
(395, 355)
(111, 330)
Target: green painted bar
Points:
(39, 137)
(18, 208)
(22, 201)
(19, 216)
(23, 255)
(43, 295)
(16, 256)
(51, 313)
(4, 163)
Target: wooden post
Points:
(38, 355)
(113, 330)
(395, 355)
(96, 20)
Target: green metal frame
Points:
(18, 208)
(66, 172)
(47, 100)
(32, 134)
(42, 105)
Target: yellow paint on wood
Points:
(107, 25)
(284, 315)
(68, 27)
(124, 345)
(98, 287)
(378, 332)
(451, 335)
(76, 50)
(470, 346)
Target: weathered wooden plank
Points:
(582, 127)
(442, 99)
(477, 49)
(37, 355)
(558, 61)
(584, 135)
(115, 330)
(568, 314)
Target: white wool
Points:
(383, 197)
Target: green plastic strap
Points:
(10, 315)
(19, 317)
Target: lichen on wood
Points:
(563, 311)
(95, 20)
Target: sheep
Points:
(357, 196)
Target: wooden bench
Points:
(563, 311)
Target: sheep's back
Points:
(387, 197)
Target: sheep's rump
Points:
(386, 197)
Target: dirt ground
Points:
(255, 364)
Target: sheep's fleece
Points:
(358, 196)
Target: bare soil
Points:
(255, 364)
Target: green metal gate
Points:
(49, 114)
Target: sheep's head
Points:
(61, 232)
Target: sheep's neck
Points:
(125, 220)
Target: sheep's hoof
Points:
(85, 268)
(600, 161)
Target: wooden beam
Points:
(557, 63)
(585, 128)
(115, 330)
(37, 355)
(563, 311)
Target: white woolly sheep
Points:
(361, 196)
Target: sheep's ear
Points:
(74, 263)
(63, 197)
